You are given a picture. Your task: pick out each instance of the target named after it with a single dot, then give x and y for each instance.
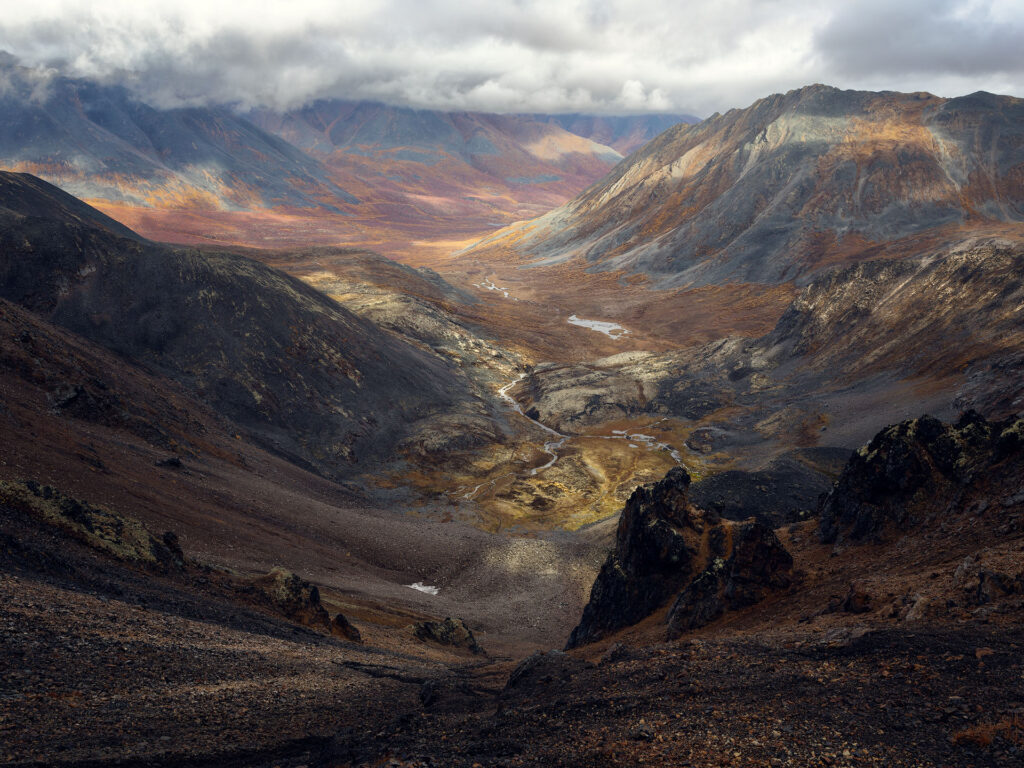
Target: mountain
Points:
(452, 172)
(305, 377)
(795, 184)
(99, 142)
(623, 133)
(207, 456)
(334, 172)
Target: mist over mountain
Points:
(624, 133)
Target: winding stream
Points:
(551, 447)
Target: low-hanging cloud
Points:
(603, 56)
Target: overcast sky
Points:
(612, 56)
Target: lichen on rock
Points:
(115, 534)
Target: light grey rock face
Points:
(768, 193)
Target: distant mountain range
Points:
(333, 172)
(624, 134)
(793, 184)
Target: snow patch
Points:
(419, 586)
(611, 330)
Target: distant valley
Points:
(353, 173)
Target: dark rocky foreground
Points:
(900, 651)
(665, 547)
(932, 697)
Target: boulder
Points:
(452, 632)
(857, 600)
(296, 599)
(342, 627)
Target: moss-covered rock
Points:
(452, 632)
(115, 534)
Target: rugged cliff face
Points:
(923, 470)
(666, 547)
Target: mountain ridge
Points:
(388, 177)
(790, 185)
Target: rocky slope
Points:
(792, 184)
(304, 376)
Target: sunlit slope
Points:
(793, 184)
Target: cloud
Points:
(922, 37)
(610, 56)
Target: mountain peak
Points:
(792, 184)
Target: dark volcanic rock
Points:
(658, 539)
(664, 546)
(758, 563)
(915, 469)
(448, 632)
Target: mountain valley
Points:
(358, 435)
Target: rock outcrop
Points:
(117, 535)
(914, 470)
(453, 632)
(665, 547)
(292, 596)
